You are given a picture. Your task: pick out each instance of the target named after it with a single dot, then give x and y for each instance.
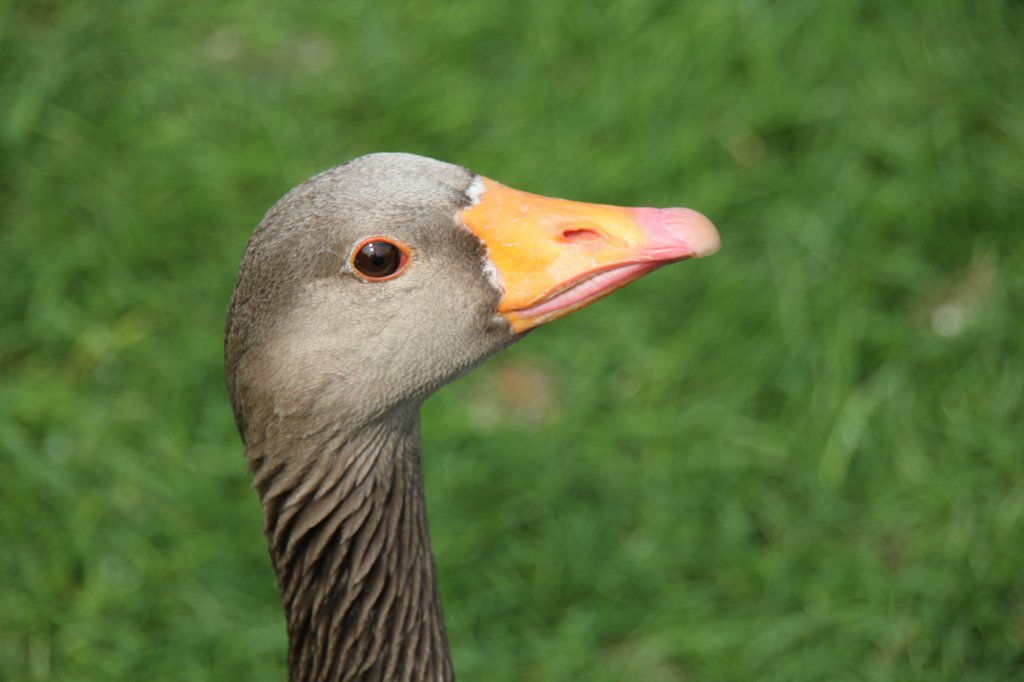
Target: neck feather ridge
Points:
(347, 528)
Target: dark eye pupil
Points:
(378, 259)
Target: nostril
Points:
(579, 234)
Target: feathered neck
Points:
(345, 518)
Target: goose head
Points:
(372, 284)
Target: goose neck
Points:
(345, 518)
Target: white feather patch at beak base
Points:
(475, 190)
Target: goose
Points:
(361, 292)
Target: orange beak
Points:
(554, 256)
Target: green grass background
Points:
(801, 459)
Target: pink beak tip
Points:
(680, 226)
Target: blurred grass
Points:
(799, 460)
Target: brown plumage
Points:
(327, 364)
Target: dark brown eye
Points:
(377, 259)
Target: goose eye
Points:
(377, 259)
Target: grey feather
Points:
(326, 374)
